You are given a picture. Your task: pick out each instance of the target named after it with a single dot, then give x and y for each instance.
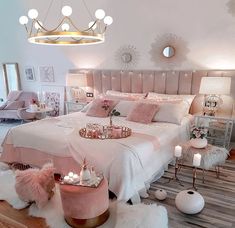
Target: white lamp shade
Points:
(76, 80)
(215, 85)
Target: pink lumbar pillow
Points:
(34, 185)
(143, 112)
(97, 108)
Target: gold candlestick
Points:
(176, 171)
(194, 178)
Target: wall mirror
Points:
(168, 51)
(11, 76)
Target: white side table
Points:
(40, 113)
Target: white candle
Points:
(66, 179)
(178, 151)
(70, 174)
(75, 177)
(197, 159)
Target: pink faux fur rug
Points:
(121, 215)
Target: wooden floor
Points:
(22, 215)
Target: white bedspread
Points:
(127, 163)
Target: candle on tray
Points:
(178, 151)
(197, 160)
(70, 174)
(75, 177)
(66, 179)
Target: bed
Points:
(129, 164)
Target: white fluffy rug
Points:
(121, 215)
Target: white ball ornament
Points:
(66, 11)
(108, 20)
(23, 20)
(160, 194)
(65, 27)
(33, 13)
(99, 14)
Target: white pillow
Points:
(188, 99)
(124, 107)
(136, 96)
(171, 113)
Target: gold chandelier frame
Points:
(39, 34)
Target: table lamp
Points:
(75, 84)
(213, 88)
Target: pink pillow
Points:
(14, 105)
(33, 185)
(143, 112)
(96, 108)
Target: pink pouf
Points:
(85, 206)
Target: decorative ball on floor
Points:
(160, 194)
(189, 202)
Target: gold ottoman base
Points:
(88, 223)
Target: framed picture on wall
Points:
(46, 74)
(29, 73)
(54, 98)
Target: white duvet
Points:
(129, 164)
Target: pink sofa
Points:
(16, 104)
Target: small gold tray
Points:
(108, 133)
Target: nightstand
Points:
(73, 106)
(219, 129)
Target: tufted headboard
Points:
(167, 82)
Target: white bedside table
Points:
(73, 106)
(219, 129)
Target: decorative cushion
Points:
(171, 113)
(124, 107)
(34, 185)
(96, 108)
(14, 105)
(188, 99)
(135, 96)
(143, 112)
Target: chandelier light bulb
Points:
(92, 23)
(66, 11)
(65, 27)
(108, 20)
(23, 20)
(37, 26)
(33, 14)
(99, 14)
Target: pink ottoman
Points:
(84, 206)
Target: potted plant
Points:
(198, 137)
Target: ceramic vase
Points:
(189, 202)
(85, 173)
(198, 143)
(160, 194)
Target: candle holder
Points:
(176, 171)
(194, 178)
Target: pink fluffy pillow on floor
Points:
(34, 185)
(143, 112)
(96, 108)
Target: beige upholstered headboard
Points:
(168, 82)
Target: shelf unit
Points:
(219, 129)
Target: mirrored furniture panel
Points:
(11, 77)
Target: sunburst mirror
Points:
(168, 51)
(127, 56)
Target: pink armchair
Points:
(16, 104)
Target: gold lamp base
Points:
(88, 223)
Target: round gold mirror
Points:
(168, 52)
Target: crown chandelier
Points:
(66, 32)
